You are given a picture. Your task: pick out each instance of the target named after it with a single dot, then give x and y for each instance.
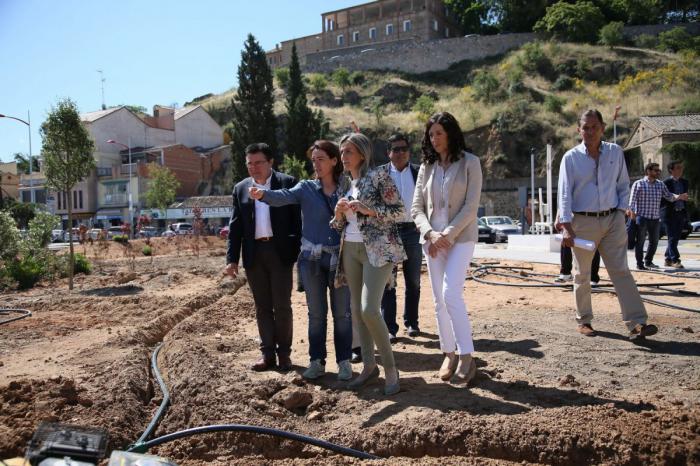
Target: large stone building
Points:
(369, 25)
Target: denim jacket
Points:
(381, 235)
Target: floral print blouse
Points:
(381, 235)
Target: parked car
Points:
(74, 232)
(56, 236)
(687, 229)
(96, 234)
(695, 225)
(486, 233)
(148, 232)
(178, 229)
(503, 226)
(114, 231)
(223, 233)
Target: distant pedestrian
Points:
(445, 207)
(674, 214)
(645, 203)
(404, 173)
(593, 194)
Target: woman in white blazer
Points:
(445, 204)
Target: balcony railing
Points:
(125, 169)
(104, 171)
(116, 199)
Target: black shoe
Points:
(392, 338)
(668, 263)
(651, 265)
(412, 331)
(642, 331)
(356, 356)
(641, 267)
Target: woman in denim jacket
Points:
(318, 260)
(370, 247)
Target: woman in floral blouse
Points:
(370, 247)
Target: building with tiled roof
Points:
(652, 132)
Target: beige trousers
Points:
(610, 236)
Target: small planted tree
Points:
(67, 152)
(341, 78)
(162, 189)
(611, 34)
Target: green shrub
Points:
(81, 264)
(425, 106)
(563, 83)
(611, 34)
(295, 167)
(675, 40)
(534, 59)
(515, 80)
(341, 78)
(121, 239)
(485, 86)
(318, 83)
(645, 41)
(553, 103)
(26, 271)
(147, 251)
(9, 237)
(689, 105)
(282, 77)
(357, 78)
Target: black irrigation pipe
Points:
(141, 445)
(142, 448)
(483, 270)
(6, 311)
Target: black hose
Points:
(141, 445)
(166, 397)
(6, 311)
(142, 448)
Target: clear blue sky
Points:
(151, 52)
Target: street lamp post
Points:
(131, 203)
(32, 195)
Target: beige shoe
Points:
(466, 370)
(448, 366)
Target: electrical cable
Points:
(6, 311)
(142, 448)
(141, 445)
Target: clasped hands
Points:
(438, 240)
(344, 204)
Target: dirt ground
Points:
(543, 393)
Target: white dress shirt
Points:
(403, 179)
(263, 225)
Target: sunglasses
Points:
(399, 149)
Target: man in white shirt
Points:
(269, 238)
(404, 174)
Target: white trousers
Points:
(448, 271)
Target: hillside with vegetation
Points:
(507, 105)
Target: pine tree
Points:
(304, 125)
(252, 107)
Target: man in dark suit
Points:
(270, 239)
(404, 174)
(674, 214)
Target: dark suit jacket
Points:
(666, 206)
(286, 224)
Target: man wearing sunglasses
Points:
(404, 174)
(645, 203)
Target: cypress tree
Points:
(303, 126)
(252, 107)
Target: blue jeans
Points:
(674, 225)
(318, 282)
(646, 226)
(411, 275)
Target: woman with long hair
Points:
(445, 204)
(370, 246)
(320, 245)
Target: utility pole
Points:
(102, 81)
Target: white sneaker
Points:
(315, 370)
(563, 278)
(344, 370)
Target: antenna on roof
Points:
(102, 80)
